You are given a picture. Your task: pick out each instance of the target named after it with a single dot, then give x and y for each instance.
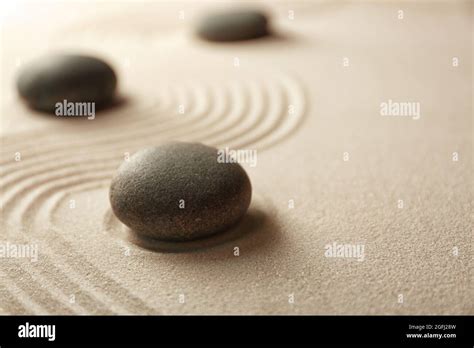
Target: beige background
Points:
(85, 251)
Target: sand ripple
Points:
(250, 111)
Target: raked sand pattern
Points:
(289, 98)
(238, 112)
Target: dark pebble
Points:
(75, 78)
(233, 25)
(148, 192)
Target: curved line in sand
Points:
(15, 298)
(79, 142)
(110, 162)
(121, 137)
(132, 137)
(33, 138)
(27, 216)
(152, 105)
(32, 284)
(85, 269)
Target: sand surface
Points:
(322, 144)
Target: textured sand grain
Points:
(85, 251)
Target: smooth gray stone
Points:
(233, 25)
(147, 191)
(75, 78)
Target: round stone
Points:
(179, 192)
(233, 25)
(74, 78)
